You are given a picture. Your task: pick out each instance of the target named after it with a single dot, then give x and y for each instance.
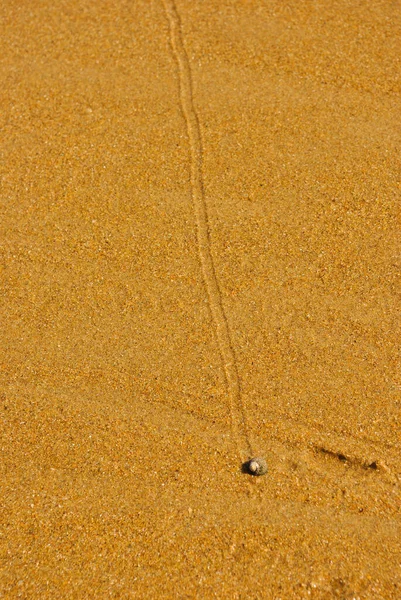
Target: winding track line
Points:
(238, 418)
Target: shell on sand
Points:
(257, 466)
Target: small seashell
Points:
(256, 466)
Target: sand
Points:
(200, 259)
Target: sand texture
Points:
(200, 258)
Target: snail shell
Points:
(257, 466)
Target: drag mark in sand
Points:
(238, 418)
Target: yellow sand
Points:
(148, 348)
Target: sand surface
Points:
(200, 259)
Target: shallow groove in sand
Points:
(238, 417)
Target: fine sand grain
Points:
(200, 263)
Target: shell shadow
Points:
(245, 468)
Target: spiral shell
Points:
(257, 466)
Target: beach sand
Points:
(200, 258)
